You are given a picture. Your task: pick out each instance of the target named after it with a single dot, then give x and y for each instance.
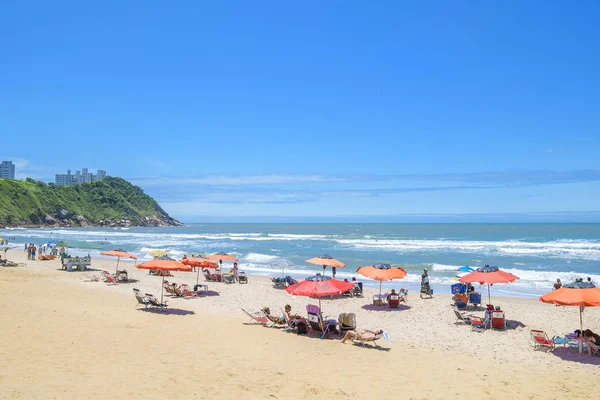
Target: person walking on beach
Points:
(425, 287)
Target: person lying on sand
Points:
(364, 334)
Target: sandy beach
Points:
(68, 337)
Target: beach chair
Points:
(278, 282)
(242, 278)
(358, 289)
(475, 299)
(347, 322)
(93, 278)
(292, 323)
(477, 323)
(290, 281)
(403, 293)
(374, 339)
(186, 292)
(317, 323)
(257, 317)
(394, 300)
(461, 317)
(141, 299)
(592, 348)
(122, 276)
(542, 341)
(228, 278)
(154, 301)
(498, 320)
(108, 278)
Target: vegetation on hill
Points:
(109, 202)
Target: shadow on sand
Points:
(373, 307)
(570, 354)
(167, 311)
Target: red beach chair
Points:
(394, 300)
(256, 317)
(541, 340)
(108, 278)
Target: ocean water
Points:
(537, 253)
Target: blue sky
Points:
(315, 109)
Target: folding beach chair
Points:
(108, 278)
(475, 299)
(316, 322)
(461, 317)
(347, 322)
(394, 300)
(154, 301)
(477, 323)
(186, 292)
(374, 339)
(257, 317)
(542, 341)
(358, 289)
(141, 299)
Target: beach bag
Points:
(302, 328)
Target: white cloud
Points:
(229, 180)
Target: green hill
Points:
(109, 202)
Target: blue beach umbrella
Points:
(466, 268)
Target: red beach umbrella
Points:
(489, 275)
(319, 286)
(164, 265)
(382, 272)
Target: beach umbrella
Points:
(164, 265)
(382, 272)
(62, 243)
(576, 294)
(198, 262)
(326, 260)
(466, 268)
(220, 257)
(319, 286)
(158, 253)
(283, 264)
(118, 253)
(489, 275)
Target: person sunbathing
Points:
(273, 318)
(364, 335)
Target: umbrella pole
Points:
(198, 275)
(320, 305)
(380, 290)
(162, 289)
(117, 271)
(489, 295)
(580, 341)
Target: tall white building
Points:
(7, 170)
(82, 176)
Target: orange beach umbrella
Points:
(326, 260)
(164, 265)
(382, 272)
(199, 263)
(220, 257)
(581, 294)
(118, 254)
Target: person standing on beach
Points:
(29, 252)
(333, 271)
(558, 284)
(425, 288)
(235, 272)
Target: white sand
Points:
(67, 337)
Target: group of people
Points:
(299, 321)
(558, 284)
(31, 250)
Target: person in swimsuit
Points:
(364, 334)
